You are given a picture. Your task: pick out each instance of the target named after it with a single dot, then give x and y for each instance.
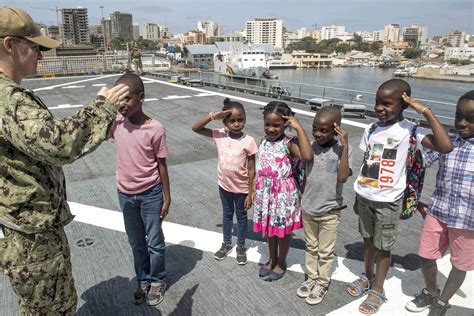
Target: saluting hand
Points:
(343, 136)
(415, 104)
(292, 121)
(220, 115)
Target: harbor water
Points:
(359, 84)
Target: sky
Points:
(440, 16)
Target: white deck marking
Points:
(65, 106)
(344, 268)
(99, 85)
(150, 99)
(74, 82)
(173, 97)
(72, 87)
(233, 97)
(205, 94)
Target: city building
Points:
(201, 56)
(457, 38)
(236, 36)
(195, 37)
(107, 31)
(416, 35)
(302, 33)
(316, 35)
(378, 36)
(265, 31)
(366, 36)
(460, 53)
(165, 32)
(121, 25)
(330, 32)
(210, 28)
(302, 59)
(394, 49)
(151, 32)
(391, 33)
(136, 31)
(290, 38)
(96, 36)
(75, 26)
(53, 32)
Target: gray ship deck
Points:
(198, 284)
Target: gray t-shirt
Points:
(322, 191)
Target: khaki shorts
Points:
(380, 221)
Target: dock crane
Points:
(57, 19)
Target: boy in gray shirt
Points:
(322, 201)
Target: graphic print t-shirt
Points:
(233, 155)
(382, 176)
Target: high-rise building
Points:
(391, 33)
(165, 32)
(333, 31)
(136, 31)
(302, 33)
(457, 38)
(121, 25)
(151, 32)
(107, 31)
(265, 31)
(379, 36)
(416, 35)
(210, 28)
(75, 28)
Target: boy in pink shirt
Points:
(143, 189)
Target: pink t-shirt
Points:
(137, 149)
(233, 156)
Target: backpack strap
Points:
(372, 129)
(411, 150)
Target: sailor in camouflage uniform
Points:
(136, 56)
(34, 252)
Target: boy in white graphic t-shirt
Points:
(382, 181)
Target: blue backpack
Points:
(416, 168)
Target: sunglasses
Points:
(467, 117)
(32, 45)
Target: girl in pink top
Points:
(236, 172)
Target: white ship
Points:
(243, 61)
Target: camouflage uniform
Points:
(137, 60)
(33, 207)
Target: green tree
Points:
(412, 53)
(357, 38)
(145, 43)
(343, 48)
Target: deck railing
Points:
(97, 64)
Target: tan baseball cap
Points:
(17, 23)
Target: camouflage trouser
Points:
(40, 271)
(137, 63)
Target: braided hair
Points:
(278, 107)
(229, 105)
